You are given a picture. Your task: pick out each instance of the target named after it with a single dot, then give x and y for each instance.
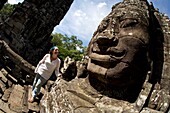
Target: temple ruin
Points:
(24, 39)
(126, 68)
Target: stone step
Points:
(1, 111)
(32, 106)
(25, 100)
(6, 94)
(16, 98)
(12, 78)
(5, 107)
(4, 72)
(3, 78)
(2, 86)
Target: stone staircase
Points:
(14, 96)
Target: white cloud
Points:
(101, 5)
(82, 19)
(15, 1)
(79, 13)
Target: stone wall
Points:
(27, 30)
(2, 2)
(107, 91)
(14, 96)
(27, 33)
(165, 23)
(25, 36)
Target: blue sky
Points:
(84, 16)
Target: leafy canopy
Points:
(69, 46)
(7, 10)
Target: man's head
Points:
(54, 51)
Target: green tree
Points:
(57, 39)
(69, 46)
(6, 10)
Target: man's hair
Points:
(52, 48)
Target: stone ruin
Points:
(2, 3)
(24, 39)
(25, 34)
(128, 66)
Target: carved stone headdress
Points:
(133, 8)
(128, 8)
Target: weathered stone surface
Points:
(128, 66)
(3, 86)
(5, 107)
(69, 69)
(4, 72)
(148, 110)
(32, 106)
(2, 2)
(87, 99)
(2, 77)
(24, 39)
(16, 98)
(6, 94)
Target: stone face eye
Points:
(128, 23)
(103, 25)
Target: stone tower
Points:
(27, 31)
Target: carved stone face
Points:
(118, 49)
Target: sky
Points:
(84, 16)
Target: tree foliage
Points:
(69, 46)
(6, 10)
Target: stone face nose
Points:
(104, 43)
(107, 40)
(108, 36)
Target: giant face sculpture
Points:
(118, 49)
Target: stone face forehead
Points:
(131, 9)
(136, 11)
